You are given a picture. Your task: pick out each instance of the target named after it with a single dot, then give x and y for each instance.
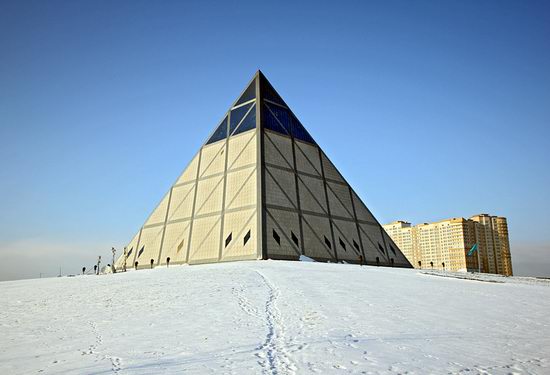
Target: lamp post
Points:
(113, 250)
(125, 259)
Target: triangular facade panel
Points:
(150, 241)
(278, 150)
(175, 242)
(239, 235)
(307, 158)
(318, 242)
(243, 151)
(159, 213)
(190, 173)
(181, 202)
(347, 240)
(212, 160)
(260, 187)
(312, 195)
(205, 239)
(283, 237)
(241, 189)
(340, 200)
(337, 208)
(280, 188)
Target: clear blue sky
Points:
(430, 110)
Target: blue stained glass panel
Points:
(237, 115)
(248, 123)
(282, 115)
(220, 133)
(271, 123)
(269, 93)
(249, 94)
(299, 132)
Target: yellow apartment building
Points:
(445, 244)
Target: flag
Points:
(472, 250)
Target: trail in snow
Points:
(244, 302)
(275, 356)
(95, 349)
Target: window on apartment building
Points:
(228, 239)
(276, 237)
(327, 242)
(246, 237)
(392, 249)
(381, 248)
(130, 252)
(356, 245)
(141, 251)
(180, 246)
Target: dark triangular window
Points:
(299, 132)
(269, 93)
(249, 94)
(282, 115)
(220, 133)
(237, 115)
(270, 122)
(248, 123)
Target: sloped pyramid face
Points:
(260, 187)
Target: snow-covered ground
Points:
(273, 317)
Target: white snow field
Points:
(274, 317)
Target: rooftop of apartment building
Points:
(406, 224)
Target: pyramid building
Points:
(260, 188)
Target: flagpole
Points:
(478, 261)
